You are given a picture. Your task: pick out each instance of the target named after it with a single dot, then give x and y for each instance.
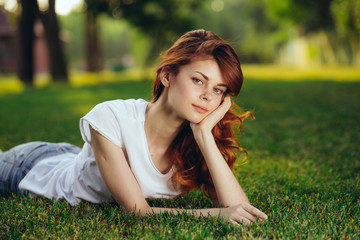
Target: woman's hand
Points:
(208, 123)
(227, 188)
(243, 213)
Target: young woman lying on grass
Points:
(180, 141)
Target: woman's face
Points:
(196, 90)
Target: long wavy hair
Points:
(191, 171)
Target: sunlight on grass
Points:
(78, 79)
(42, 80)
(287, 73)
(82, 79)
(12, 84)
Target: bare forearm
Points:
(196, 212)
(228, 189)
(242, 213)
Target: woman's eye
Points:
(197, 81)
(218, 91)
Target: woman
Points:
(134, 149)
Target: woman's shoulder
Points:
(113, 118)
(123, 102)
(121, 107)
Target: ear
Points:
(165, 77)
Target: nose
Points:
(206, 96)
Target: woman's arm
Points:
(228, 190)
(117, 174)
(125, 189)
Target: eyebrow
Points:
(204, 76)
(207, 78)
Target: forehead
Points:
(207, 67)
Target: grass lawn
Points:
(302, 170)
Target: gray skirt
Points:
(18, 161)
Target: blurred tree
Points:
(57, 60)
(73, 26)
(308, 14)
(162, 20)
(30, 12)
(346, 14)
(337, 20)
(28, 16)
(246, 24)
(93, 53)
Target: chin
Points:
(196, 119)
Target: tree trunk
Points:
(93, 56)
(26, 40)
(57, 60)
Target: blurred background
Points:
(86, 41)
(302, 60)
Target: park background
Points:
(301, 62)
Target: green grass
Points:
(302, 170)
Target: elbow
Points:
(137, 209)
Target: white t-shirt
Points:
(76, 177)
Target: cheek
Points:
(217, 102)
(178, 95)
(185, 92)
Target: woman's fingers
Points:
(241, 219)
(245, 214)
(219, 112)
(226, 104)
(254, 211)
(232, 221)
(245, 221)
(248, 216)
(214, 117)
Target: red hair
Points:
(191, 169)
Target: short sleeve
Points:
(104, 119)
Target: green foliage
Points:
(73, 29)
(115, 38)
(245, 24)
(97, 7)
(258, 29)
(310, 15)
(161, 20)
(160, 16)
(346, 15)
(302, 168)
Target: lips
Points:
(200, 109)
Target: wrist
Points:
(202, 136)
(208, 147)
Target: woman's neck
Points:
(161, 124)
(161, 128)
